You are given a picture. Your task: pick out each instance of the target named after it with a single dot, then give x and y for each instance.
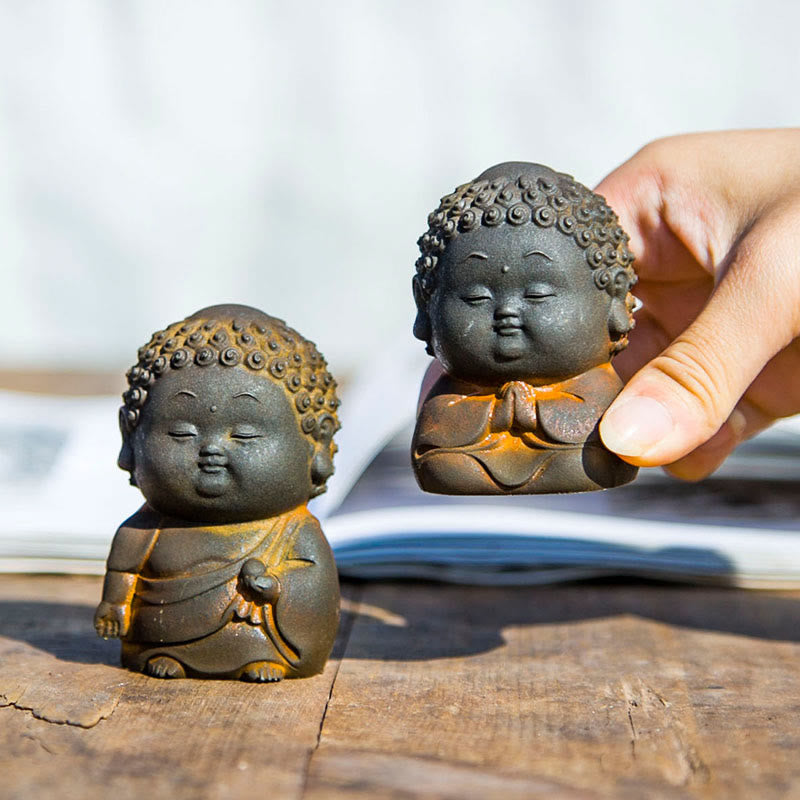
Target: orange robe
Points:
(189, 604)
(521, 439)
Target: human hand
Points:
(714, 221)
(111, 620)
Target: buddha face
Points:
(220, 444)
(517, 303)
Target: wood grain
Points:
(199, 739)
(582, 691)
(638, 691)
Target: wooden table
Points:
(581, 691)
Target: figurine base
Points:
(585, 469)
(217, 656)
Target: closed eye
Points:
(183, 433)
(474, 298)
(476, 294)
(539, 291)
(244, 434)
(538, 295)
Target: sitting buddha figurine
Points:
(523, 296)
(227, 430)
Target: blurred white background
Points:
(159, 157)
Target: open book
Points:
(61, 499)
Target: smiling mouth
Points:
(212, 469)
(508, 330)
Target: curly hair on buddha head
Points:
(520, 193)
(238, 336)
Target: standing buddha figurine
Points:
(523, 295)
(227, 430)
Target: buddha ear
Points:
(322, 458)
(619, 318)
(125, 459)
(321, 470)
(422, 324)
(619, 322)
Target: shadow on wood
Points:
(66, 631)
(413, 621)
(417, 621)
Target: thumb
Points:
(681, 398)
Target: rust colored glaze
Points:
(227, 430)
(523, 295)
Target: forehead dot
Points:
(213, 409)
(504, 268)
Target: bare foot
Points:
(263, 672)
(164, 667)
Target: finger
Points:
(680, 399)
(745, 421)
(704, 460)
(645, 344)
(633, 192)
(705, 187)
(776, 391)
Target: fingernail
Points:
(635, 425)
